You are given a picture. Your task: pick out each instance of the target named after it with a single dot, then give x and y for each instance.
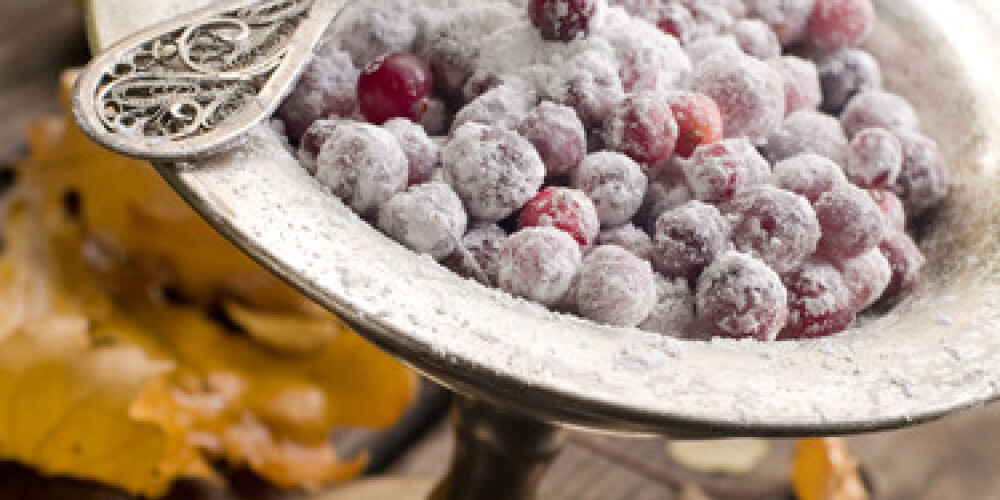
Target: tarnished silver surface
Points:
(937, 353)
(194, 85)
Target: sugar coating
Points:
(788, 18)
(422, 153)
(905, 260)
(807, 131)
(836, 24)
(711, 18)
(615, 183)
(845, 73)
(630, 238)
(749, 93)
(311, 142)
(564, 20)
(756, 39)
(367, 30)
(739, 296)
(649, 59)
(879, 109)
(326, 89)
(363, 165)
(642, 127)
(874, 159)
(588, 82)
(565, 209)
(674, 19)
(867, 276)
(558, 136)
(667, 189)
(427, 218)
(809, 175)
(673, 314)
(777, 226)
(893, 211)
(689, 238)
(495, 171)
(924, 179)
(720, 171)
(615, 287)
(802, 86)
(538, 263)
(819, 302)
(504, 105)
(484, 242)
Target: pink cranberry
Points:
(749, 93)
(866, 276)
(563, 208)
(924, 178)
(874, 159)
(819, 302)
(673, 315)
(615, 287)
(879, 109)
(698, 121)
(893, 212)
(837, 24)
(539, 264)
(615, 183)
(394, 86)
(423, 153)
(562, 20)
(738, 296)
(845, 73)
(362, 165)
(558, 135)
(630, 238)
(777, 226)
(312, 141)
(808, 175)
(326, 89)
(905, 259)
(495, 171)
(802, 87)
(642, 127)
(756, 39)
(788, 18)
(718, 172)
(689, 238)
(851, 222)
(428, 219)
(807, 132)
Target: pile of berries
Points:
(697, 168)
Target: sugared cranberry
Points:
(905, 259)
(630, 238)
(874, 158)
(749, 93)
(558, 136)
(788, 18)
(563, 208)
(689, 238)
(925, 177)
(643, 128)
(777, 226)
(394, 86)
(879, 109)
(539, 264)
(563, 20)
(482, 244)
(615, 183)
(675, 20)
(590, 85)
(819, 302)
(326, 89)
(312, 141)
(837, 24)
(698, 121)
(450, 45)
(673, 314)
(739, 296)
(802, 88)
(423, 153)
(893, 212)
(668, 189)
(845, 73)
(866, 276)
(648, 59)
(615, 287)
(495, 171)
(807, 132)
(504, 105)
(718, 172)
(710, 18)
(808, 175)
(367, 30)
(363, 165)
(756, 39)
(701, 49)
(851, 222)
(428, 219)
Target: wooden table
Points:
(955, 459)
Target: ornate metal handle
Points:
(194, 85)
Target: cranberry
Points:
(539, 264)
(312, 141)
(483, 244)
(698, 121)
(675, 20)
(495, 171)
(504, 105)
(710, 17)
(673, 313)
(893, 212)
(807, 132)
(450, 44)
(879, 109)
(845, 73)
(369, 29)
(700, 49)
(558, 135)
(866, 276)
(590, 85)
(905, 259)
(630, 238)
(689, 238)
(326, 89)
(562, 20)
(642, 127)
(837, 24)
(423, 153)
(802, 87)
(819, 302)
(362, 165)
(615, 183)
(756, 39)
(851, 222)
(777, 226)
(749, 93)
(394, 86)
(428, 219)
(720, 171)
(808, 175)
(788, 18)
(667, 189)
(563, 208)
(615, 287)
(874, 158)
(924, 179)
(738, 296)
(648, 59)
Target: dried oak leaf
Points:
(824, 469)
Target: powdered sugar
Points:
(363, 165)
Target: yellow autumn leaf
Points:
(824, 469)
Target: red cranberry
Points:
(326, 89)
(563, 208)
(836, 24)
(905, 259)
(428, 219)
(673, 314)
(819, 302)
(802, 87)
(698, 121)
(562, 20)
(394, 86)
(893, 212)
(777, 226)
(874, 159)
(689, 238)
(851, 222)
(845, 73)
(925, 177)
(362, 165)
(867, 276)
(558, 135)
(749, 93)
(615, 287)
(740, 297)
(615, 183)
(808, 175)
(807, 132)
(720, 171)
(423, 153)
(879, 109)
(642, 127)
(539, 264)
